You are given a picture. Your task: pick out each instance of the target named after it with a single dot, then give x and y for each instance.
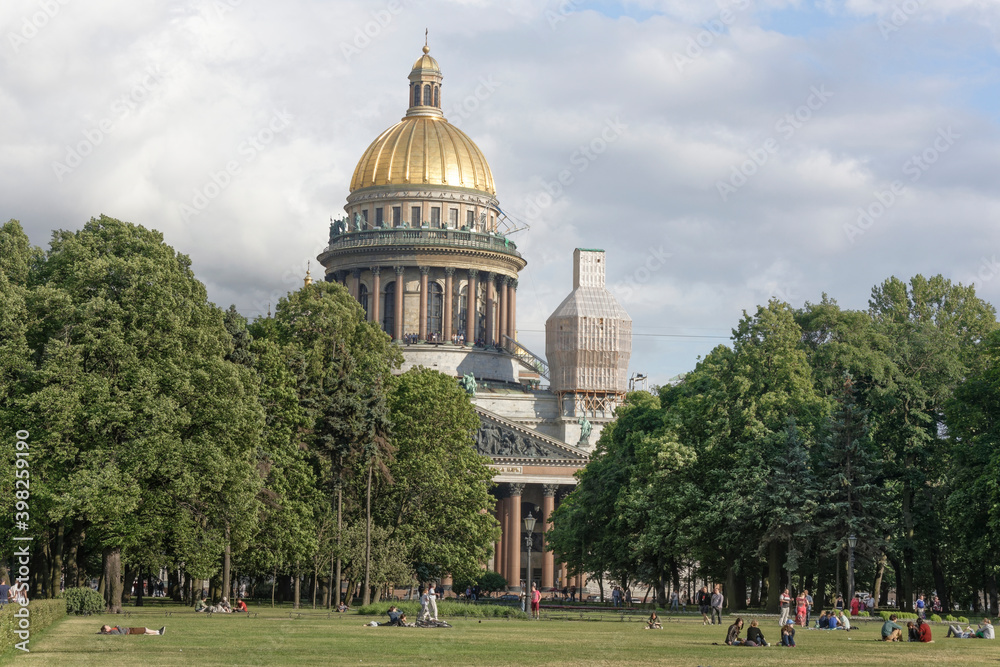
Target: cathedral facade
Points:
(423, 249)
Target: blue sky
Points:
(696, 231)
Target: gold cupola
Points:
(424, 148)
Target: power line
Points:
(649, 335)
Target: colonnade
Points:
(514, 502)
(484, 314)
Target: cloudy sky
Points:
(723, 154)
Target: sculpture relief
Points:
(493, 440)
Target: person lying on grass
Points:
(985, 631)
(397, 618)
(118, 630)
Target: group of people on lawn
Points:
(916, 631)
(222, 608)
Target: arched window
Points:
(363, 298)
(435, 309)
(437, 96)
(416, 94)
(463, 308)
(389, 309)
(427, 94)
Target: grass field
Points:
(274, 637)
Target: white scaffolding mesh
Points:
(588, 339)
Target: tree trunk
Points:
(940, 582)
(992, 587)
(340, 514)
(368, 534)
(113, 579)
(274, 582)
(774, 576)
(227, 564)
(315, 581)
(55, 574)
(741, 591)
(730, 597)
(755, 591)
(138, 597)
(877, 587)
(297, 599)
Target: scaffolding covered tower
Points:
(588, 339)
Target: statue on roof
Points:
(468, 383)
(585, 430)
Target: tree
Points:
(142, 420)
(438, 505)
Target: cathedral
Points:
(424, 249)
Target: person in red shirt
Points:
(536, 601)
(923, 631)
(241, 605)
(855, 606)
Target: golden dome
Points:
(423, 150)
(426, 62)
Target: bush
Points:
(83, 601)
(950, 618)
(863, 614)
(900, 615)
(42, 614)
(491, 582)
(963, 619)
(935, 618)
(445, 608)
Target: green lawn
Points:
(316, 638)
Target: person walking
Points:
(784, 602)
(704, 604)
(717, 600)
(800, 609)
(809, 606)
(674, 600)
(432, 606)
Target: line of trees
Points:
(168, 433)
(817, 424)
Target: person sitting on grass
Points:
(844, 621)
(985, 631)
(911, 632)
(832, 623)
(241, 606)
(223, 607)
(788, 633)
(754, 636)
(890, 631)
(118, 630)
(924, 631)
(342, 607)
(823, 623)
(733, 635)
(654, 622)
(202, 604)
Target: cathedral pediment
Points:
(506, 441)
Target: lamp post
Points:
(852, 542)
(529, 528)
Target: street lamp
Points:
(529, 529)
(852, 542)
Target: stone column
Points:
(449, 285)
(512, 308)
(422, 324)
(490, 317)
(375, 307)
(470, 315)
(397, 334)
(502, 298)
(498, 547)
(548, 558)
(356, 283)
(513, 538)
